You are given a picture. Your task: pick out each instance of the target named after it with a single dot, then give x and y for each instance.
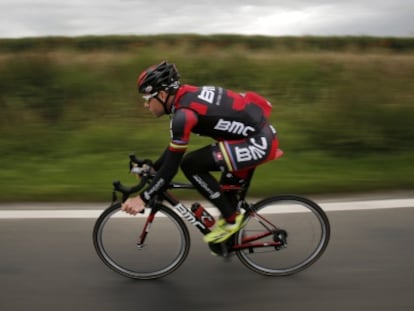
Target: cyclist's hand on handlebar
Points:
(141, 170)
(133, 206)
(148, 169)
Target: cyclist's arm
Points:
(164, 175)
(157, 164)
(181, 124)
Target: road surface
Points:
(50, 264)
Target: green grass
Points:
(70, 113)
(88, 177)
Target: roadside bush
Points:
(70, 112)
(32, 83)
(368, 109)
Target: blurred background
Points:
(343, 98)
(71, 114)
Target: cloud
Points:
(20, 18)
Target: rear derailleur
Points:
(280, 236)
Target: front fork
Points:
(146, 228)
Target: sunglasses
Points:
(149, 96)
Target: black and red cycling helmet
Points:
(161, 77)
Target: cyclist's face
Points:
(155, 106)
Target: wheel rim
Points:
(307, 237)
(161, 255)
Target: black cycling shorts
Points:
(235, 155)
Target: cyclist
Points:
(237, 122)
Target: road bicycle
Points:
(283, 234)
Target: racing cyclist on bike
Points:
(237, 122)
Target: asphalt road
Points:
(50, 264)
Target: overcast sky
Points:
(34, 18)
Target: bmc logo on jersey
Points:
(234, 127)
(207, 94)
(255, 151)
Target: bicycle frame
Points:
(239, 191)
(309, 229)
(248, 242)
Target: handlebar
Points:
(134, 163)
(134, 160)
(142, 168)
(127, 191)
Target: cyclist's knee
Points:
(186, 164)
(200, 160)
(190, 164)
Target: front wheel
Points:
(294, 233)
(118, 237)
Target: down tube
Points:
(185, 213)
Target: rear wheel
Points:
(299, 227)
(117, 236)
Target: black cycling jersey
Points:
(210, 111)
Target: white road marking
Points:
(94, 213)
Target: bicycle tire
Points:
(115, 237)
(308, 233)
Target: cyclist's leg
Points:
(234, 156)
(197, 166)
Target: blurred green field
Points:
(70, 113)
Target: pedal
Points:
(224, 250)
(220, 249)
